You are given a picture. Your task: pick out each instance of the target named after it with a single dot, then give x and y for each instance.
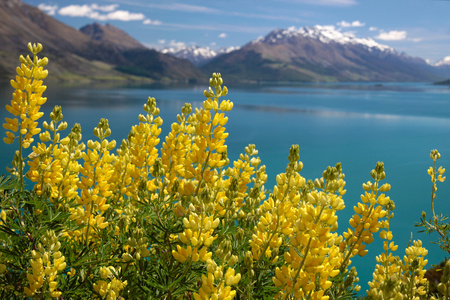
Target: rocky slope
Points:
(78, 56)
(319, 53)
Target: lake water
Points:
(355, 124)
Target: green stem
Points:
(432, 189)
(65, 170)
(278, 220)
(435, 224)
(301, 265)
(89, 225)
(206, 160)
(21, 160)
(349, 254)
(386, 263)
(21, 163)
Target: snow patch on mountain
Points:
(196, 54)
(443, 62)
(227, 50)
(325, 34)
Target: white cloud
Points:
(329, 2)
(124, 15)
(183, 7)
(102, 13)
(372, 28)
(222, 35)
(358, 24)
(77, 11)
(343, 24)
(105, 8)
(176, 44)
(151, 22)
(352, 24)
(213, 44)
(393, 35)
(49, 9)
(162, 42)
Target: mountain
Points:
(442, 67)
(21, 23)
(319, 53)
(443, 62)
(97, 53)
(139, 60)
(111, 34)
(196, 54)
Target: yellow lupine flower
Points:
(413, 270)
(137, 155)
(109, 286)
(368, 218)
(42, 269)
(27, 99)
(313, 257)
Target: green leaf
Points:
(8, 182)
(8, 230)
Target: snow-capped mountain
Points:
(196, 54)
(319, 53)
(324, 34)
(443, 62)
(442, 67)
(227, 50)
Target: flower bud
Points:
(111, 145)
(45, 136)
(209, 93)
(30, 47)
(224, 91)
(43, 62)
(62, 126)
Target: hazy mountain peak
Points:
(11, 3)
(324, 34)
(196, 54)
(443, 62)
(190, 50)
(111, 34)
(227, 50)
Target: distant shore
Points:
(444, 82)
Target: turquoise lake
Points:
(356, 124)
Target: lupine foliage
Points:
(179, 220)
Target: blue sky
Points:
(417, 27)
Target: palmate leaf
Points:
(9, 252)
(8, 182)
(8, 230)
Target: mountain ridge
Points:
(319, 53)
(76, 56)
(111, 34)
